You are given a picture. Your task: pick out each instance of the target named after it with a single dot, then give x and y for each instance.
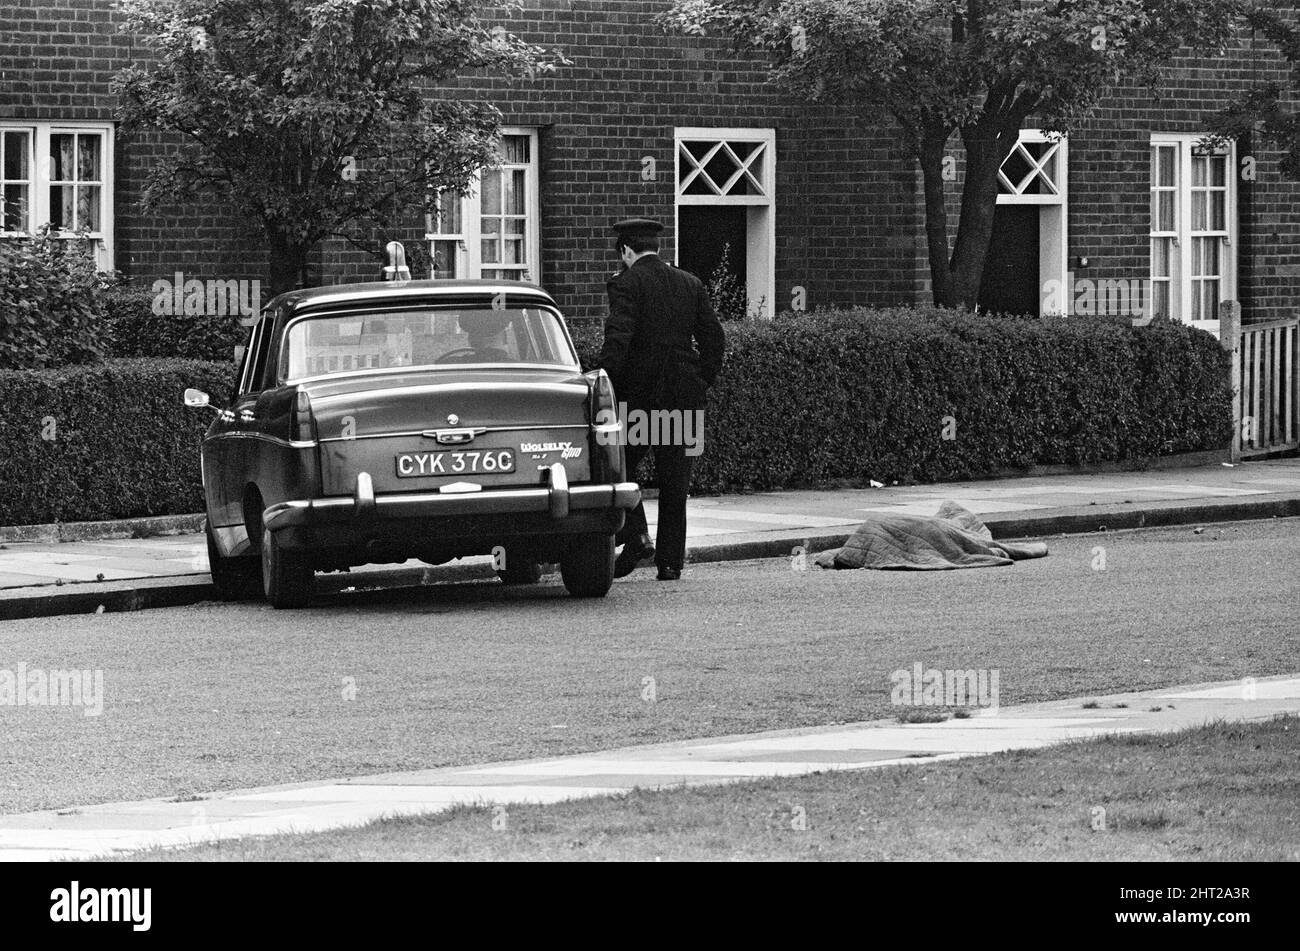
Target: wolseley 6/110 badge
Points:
(453, 419)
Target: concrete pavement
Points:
(44, 577)
(95, 830)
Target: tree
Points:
(316, 118)
(974, 68)
(1262, 106)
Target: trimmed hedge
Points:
(110, 440)
(132, 329)
(806, 400)
(848, 396)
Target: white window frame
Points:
(469, 253)
(760, 250)
(1053, 216)
(39, 166)
(1181, 288)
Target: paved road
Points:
(732, 518)
(219, 697)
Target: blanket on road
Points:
(953, 538)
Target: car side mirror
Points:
(196, 398)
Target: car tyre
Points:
(587, 566)
(287, 575)
(236, 579)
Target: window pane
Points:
(515, 252)
(15, 208)
(1015, 167)
(343, 342)
(1160, 298)
(1199, 163)
(1165, 211)
(444, 259)
(491, 189)
(516, 191)
(1218, 202)
(1210, 249)
(61, 150)
(1198, 211)
(1168, 170)
(88, 158)
(1208, 300)
(61, 210)
(88, 207)
(1219, 169)
(514, 149)
(1160, 257)
(490, 251)
(448, 219)
(15, 156)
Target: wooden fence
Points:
(1265, 385)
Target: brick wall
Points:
(849, 221)
(845, 212)
(57, 60)
(1110, 176)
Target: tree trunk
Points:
(930, 156)
(985, 150)
(288, 262)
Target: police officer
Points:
(658, 315)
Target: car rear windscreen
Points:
(342, 343)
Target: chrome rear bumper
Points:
(556, 499)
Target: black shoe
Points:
(633, 553)
(669, 574)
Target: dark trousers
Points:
(673, 473)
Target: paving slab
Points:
(106, 828)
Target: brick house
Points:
(813, 203)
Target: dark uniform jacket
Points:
(658, 315)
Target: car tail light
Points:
(303, 426)
(604, 409)
(608, 462)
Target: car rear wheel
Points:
(236, 579)
(587, 566)
(286, 575)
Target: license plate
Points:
(413, 465)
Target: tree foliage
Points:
(1263, 107)
(977, 69)
(316, 118)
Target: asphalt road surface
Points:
(219, 696)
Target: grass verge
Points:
(1222, 792)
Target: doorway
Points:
(705, 232)
(1010, 283)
